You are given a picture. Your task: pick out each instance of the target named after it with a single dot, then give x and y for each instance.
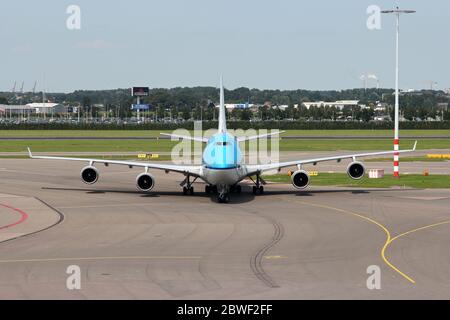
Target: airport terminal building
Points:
(8, 110)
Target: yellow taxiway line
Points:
(389, 238)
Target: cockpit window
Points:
(221, 143)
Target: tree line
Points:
(195, 103)
(189, 125)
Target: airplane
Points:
(222, 167)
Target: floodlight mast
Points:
(397, 12)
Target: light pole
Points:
(397, 12)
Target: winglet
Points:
(29, 152)
(415, 144)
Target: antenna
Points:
(364, 80)
(366, 77)
(431, 83)
(374, 77)
(14, 87)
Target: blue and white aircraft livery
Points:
(222, 167)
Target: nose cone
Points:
(222, 152)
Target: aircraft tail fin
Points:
(222, 115)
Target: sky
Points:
(264, 44)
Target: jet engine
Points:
(89, 175)
(356, 170)
(300, 179)
(145, 182)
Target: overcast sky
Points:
(262, 44)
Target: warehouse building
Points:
(338, 104)
(48, 108)
(15, 110)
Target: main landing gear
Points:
(188, 189)
(258, 187)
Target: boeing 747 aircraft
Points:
(222, 167)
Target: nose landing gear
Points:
(223, 198)
(224, 195)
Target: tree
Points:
(447, 115)
(86, 105)
(186, 115)
(367, 114)
(302, 111)
(246, 115)
(3, 100)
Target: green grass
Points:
(107, 157)
(164, 145)
(167, 145)
(357, 145)
(407, 159)
(372, 133)
(87, 145)
(342, 179)
(81, 133)
(155, 133)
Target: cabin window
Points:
(221, 143)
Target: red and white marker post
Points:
(396, 159)
(397, 12)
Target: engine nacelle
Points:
(145, 182)
(300, 179)
(356, 170)
(89, 175)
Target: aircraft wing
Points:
(259, 136)
(195, 171)
(181, 137)
(254, 169)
